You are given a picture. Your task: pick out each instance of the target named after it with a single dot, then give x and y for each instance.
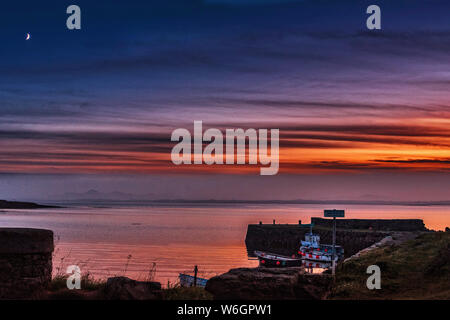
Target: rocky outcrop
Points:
(25, 262)
(384, 242)
(269, 284)
(123, 288)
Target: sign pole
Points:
(333, 264)
(334, 214)
(195, 275)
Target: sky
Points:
(362, 114)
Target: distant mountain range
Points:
(300, 201)
(95, 195)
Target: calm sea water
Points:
(131, 240)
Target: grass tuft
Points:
(88, 283)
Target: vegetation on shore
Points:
(415, 269)
(88, 283)
(93, 289)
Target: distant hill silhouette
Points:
(306, 201)
(95, 195)
(21, 205)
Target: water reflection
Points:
(175, 237)
(315, 267)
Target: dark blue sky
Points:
(139, 53)
(103, 100)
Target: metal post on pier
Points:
(333, 214)
(195, 275)
(333, 264)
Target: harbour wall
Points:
(373, 224)
(25, 262)
(285, 238)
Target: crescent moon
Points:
(28, 36)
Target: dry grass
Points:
(92, 289)
(416, 269)
(88, 283)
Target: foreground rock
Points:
(269, 283)
(25, 262)
(123, 288)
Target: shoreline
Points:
(4, 204)
(143, 202)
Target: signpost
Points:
(334, 214)
(195, 275)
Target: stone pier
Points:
(352, 234)
(25, 262)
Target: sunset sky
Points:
(362, 114)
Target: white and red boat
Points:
(312, 250)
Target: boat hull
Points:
(322, 253)
(270, 260)
(317, 256)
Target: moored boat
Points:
(272, 260)
(187, 280)
(311, 249)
